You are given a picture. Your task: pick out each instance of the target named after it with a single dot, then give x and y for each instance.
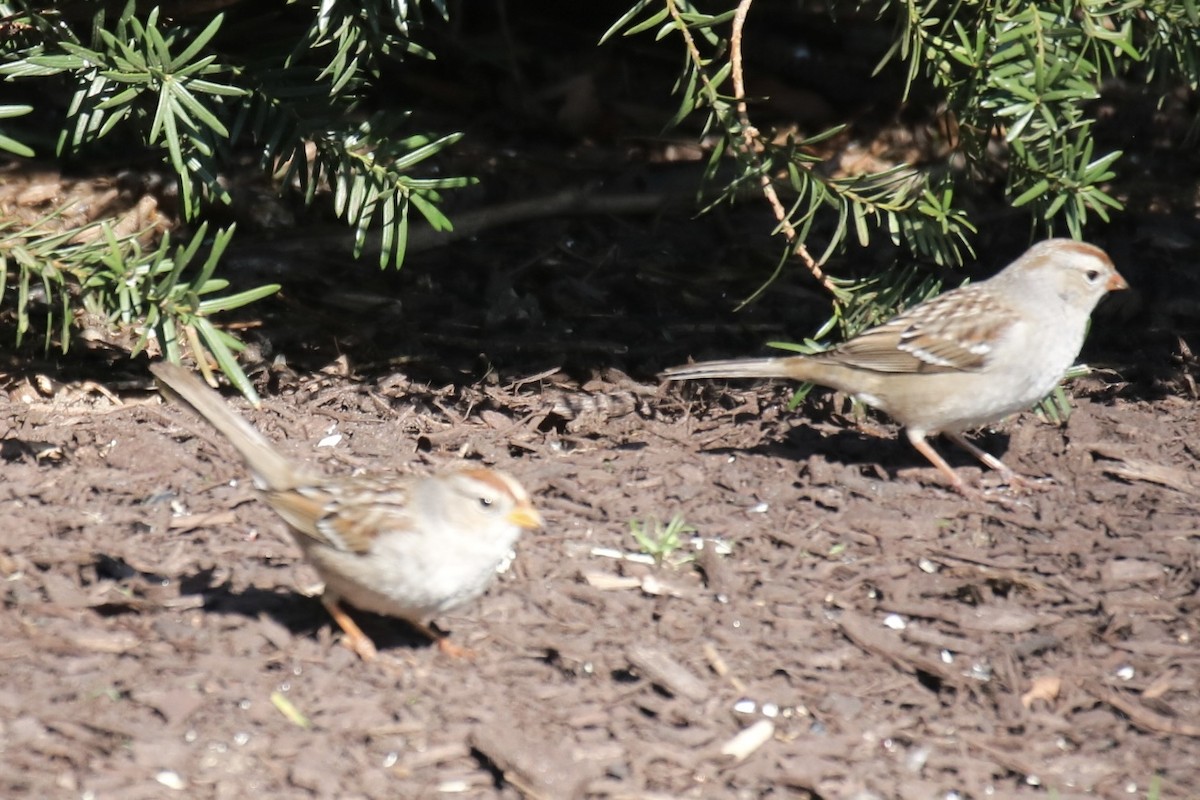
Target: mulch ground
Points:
(833, 624)
(836, 625)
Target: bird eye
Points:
(1092, 275)
(486, 503)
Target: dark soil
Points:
(838, 619)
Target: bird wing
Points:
(346, 515)
(954, 332)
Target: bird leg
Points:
(923, 446)
(452, 650)
(355, 639)
(987, 458)
(443, 642)
(364, 648)
(1007, 475)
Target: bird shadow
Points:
(886, 455)
(300, 614)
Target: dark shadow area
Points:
(300, 614)
(303, 616)
(642, 283)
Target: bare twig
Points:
(751, 143)
(1141, 716)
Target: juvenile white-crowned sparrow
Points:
(966, 358)
(406, 546)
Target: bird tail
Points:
(272, 471)
(734, 368)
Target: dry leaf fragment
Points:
(1045, 687)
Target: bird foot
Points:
(1028, 484)
(452, 650)
(363, 647)
(1015, 483)
(355, 640)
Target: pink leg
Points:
(985, 457)
(918, 440)
(356, 640)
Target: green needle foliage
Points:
(8, 143)
(1015, 81)
(287, 83)
(156, 293)
(1024, 73)
(910, 207)
(177, 304)
(194, 92)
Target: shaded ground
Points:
(850, 628)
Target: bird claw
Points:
(355, 640)
(452, 650)
(363, 647)
(1017, 484)
(1027, 484)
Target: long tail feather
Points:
(271, 469)
(733, 368)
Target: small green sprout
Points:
(1056, 407)
(660, 541)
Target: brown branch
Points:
(693, 50)
(751, 143)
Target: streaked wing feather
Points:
(949, 333)
(347, 518)
(301, 508)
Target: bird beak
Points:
(525, 516)
(1116, 282)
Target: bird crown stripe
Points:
(499, 482)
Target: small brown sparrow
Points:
(966, 358)
(406, 546)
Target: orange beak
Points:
(525, 516)
(1116, 282)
